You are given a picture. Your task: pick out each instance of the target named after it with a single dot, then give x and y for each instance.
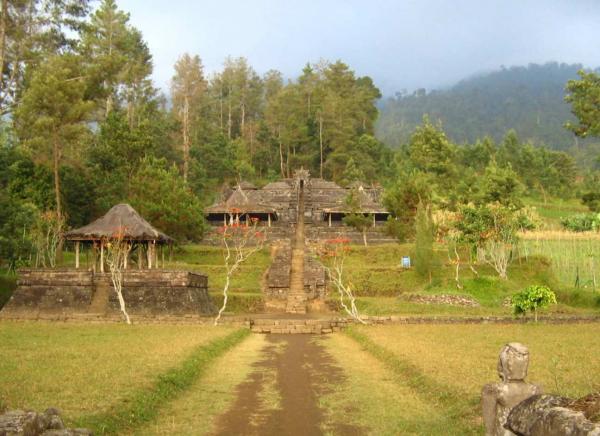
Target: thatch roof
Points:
(241, 202)
(121, 217)
(365, 202)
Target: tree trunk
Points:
(229, 120)
(186, 138)
(281, 167)
(243, 119)
(56, 172)
(56, 164)
(109, 105)
(321, 143)
(221, 110)
(3, 22)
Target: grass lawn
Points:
(444, 367)
(374, 398)
(85, 369)
(195, 411)
(462, 358)
(209, 260)
(555, 209)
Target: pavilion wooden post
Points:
(140, 255)
(269, 219)
(329, 220)
(126, 258)
(155, 254)
(76, 254)
(225, 220)
(101, 256)
(373, 220)
(162, 254)
(149, 254)
(94, 256)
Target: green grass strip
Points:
(462, 413)
(143, 405)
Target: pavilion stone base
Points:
(146, 292)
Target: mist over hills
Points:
(528, 99)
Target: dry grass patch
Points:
(373, 398)
(464, 357)
(211, 395)
(84, 369)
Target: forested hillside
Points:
(529, 100)
(83, 128)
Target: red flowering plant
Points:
(239, 243)
(333, 254)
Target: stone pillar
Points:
(498, 399)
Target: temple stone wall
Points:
(78, 291)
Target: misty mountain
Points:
(528, 99)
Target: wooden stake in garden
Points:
(116, 256)
(240, 241)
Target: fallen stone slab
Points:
(31, 423)
(549, 415)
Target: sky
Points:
(402, 44)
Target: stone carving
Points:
(551, 415)
(30, 423)
(499, 398)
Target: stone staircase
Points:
(297, 298)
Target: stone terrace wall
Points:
(79, 291)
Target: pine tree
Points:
(188, 88)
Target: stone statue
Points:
(499, 398)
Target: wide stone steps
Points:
(297, 326)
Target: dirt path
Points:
(303, 371)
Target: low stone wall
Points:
(52, 290)
(76, 291)
(298, 326)
(314, 232)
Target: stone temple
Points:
(276, 205)
(298, 213)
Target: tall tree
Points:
(52, 113)
(188, 88)
(115, 52)
(584, 96)
(30, 31)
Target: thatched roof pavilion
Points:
(122, 220)
(365, 203)
(241, 203)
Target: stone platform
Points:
(71, 291)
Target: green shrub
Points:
(8, 283)
(582, 222)
(531, 299)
